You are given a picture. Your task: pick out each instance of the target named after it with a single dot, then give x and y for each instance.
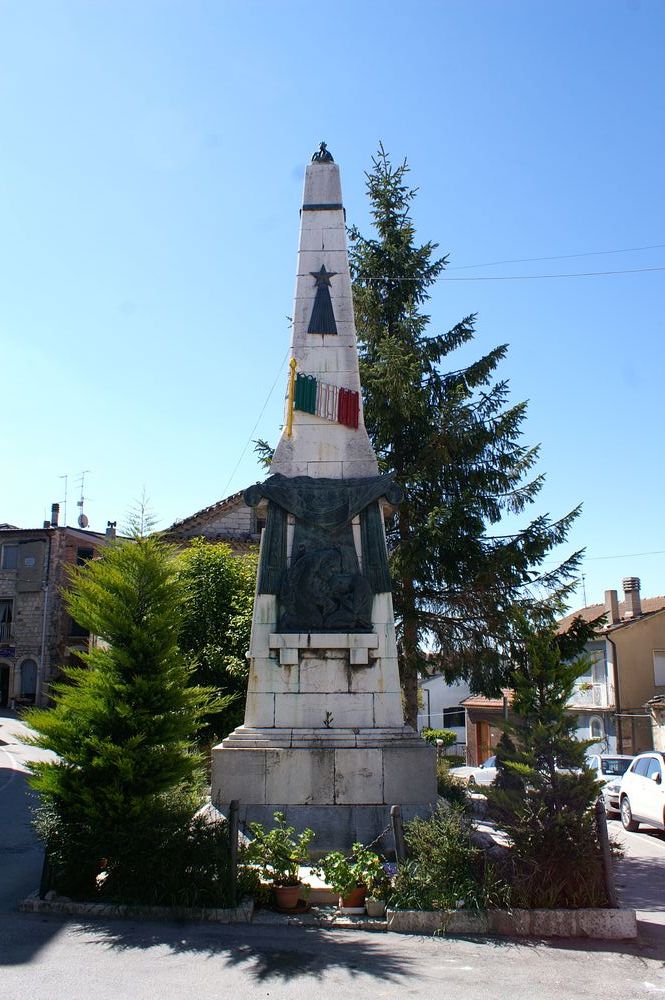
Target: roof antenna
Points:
(82, 518)
(64, 503)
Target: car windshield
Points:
(614, 765)
(490, 762)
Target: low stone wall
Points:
(591, 923)
(241, 914)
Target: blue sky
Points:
(150, 182)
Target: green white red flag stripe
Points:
(327, 401)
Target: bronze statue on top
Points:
(322, 155)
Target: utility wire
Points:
(263, 408)
(520, 277)
(629, 555)
(531, 277)
(565, 256)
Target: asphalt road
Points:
(52, 958)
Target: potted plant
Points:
(378, 890)
(278, 854)
(349, 877)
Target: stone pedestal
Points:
(323, 738)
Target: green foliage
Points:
(544, 793)
(439, 736)
(453, 442)
(344, 874)
(123, 727)
(445, 870)
(216, 623)
(264, 453)
(448, 787)
(278, 853)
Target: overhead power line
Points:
(532, 277)
(565, 256)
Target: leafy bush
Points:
(343, 874)
(454, 759)
(446, 736)
(278, 853)
(218, 598)
(179, 861)
(449, 787)
(445, 869)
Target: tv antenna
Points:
(82, 519)
(64, 502)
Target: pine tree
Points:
(454, 443)
(123, 726)
(544, 792)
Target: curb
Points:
(241, 914)
(609, 925)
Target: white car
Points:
(483, 775)
(642, 792)
(609, 768)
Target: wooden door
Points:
(483, 748)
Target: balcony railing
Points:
(590, 695)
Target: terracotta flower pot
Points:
(287, 896)
(355, 901)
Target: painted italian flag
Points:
(327, 401)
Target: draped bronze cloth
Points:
(323, 510)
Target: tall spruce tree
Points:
(453, 442)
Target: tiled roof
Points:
(480, 701)
(237, 499)
(650, 605)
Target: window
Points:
(9, 558)
(641, 765)
(596, 729)
(77, 631)
(653, 768)
(615, 766)
(659, 667)
(83, 556)
(453, 718)
(6, 614)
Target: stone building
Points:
(230, 520)
(37, 635)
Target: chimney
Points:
(110, 529)
(611, 607)
(55, 512)
(47, 524)
(631, 590)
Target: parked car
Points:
(483, 775)
(609, 768)
(642, 792)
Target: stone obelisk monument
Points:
(324, 738)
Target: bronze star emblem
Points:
(322, 277)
